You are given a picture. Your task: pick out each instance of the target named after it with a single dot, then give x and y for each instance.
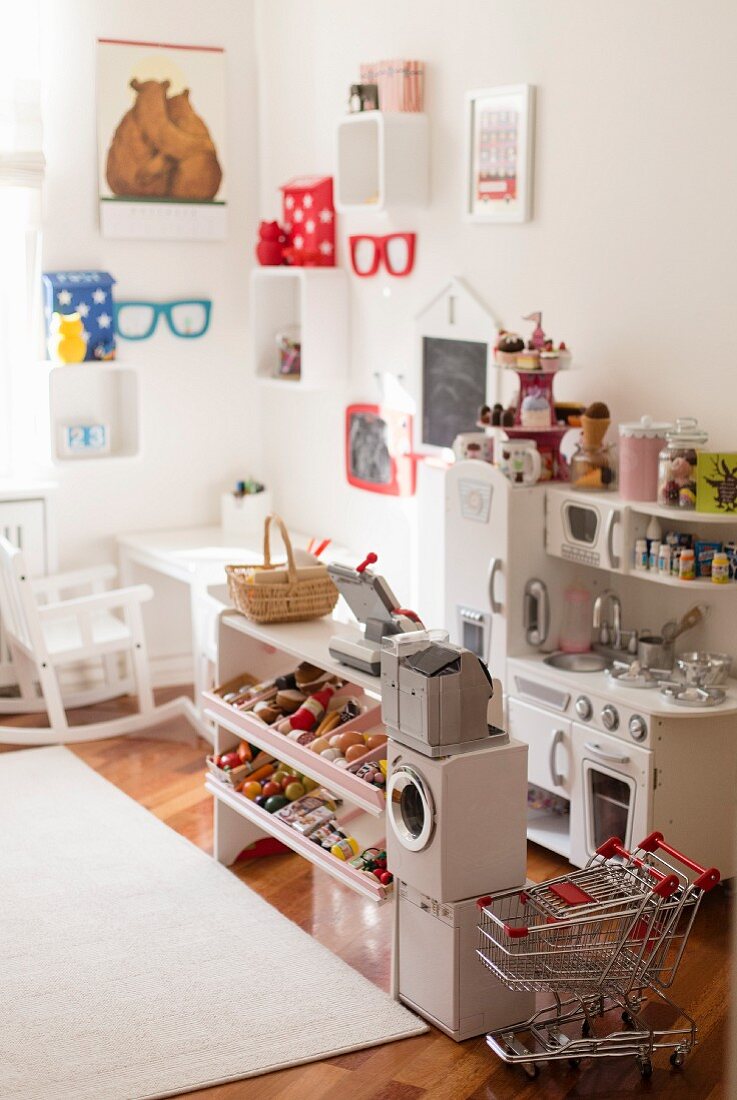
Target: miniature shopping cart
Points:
(606, 938)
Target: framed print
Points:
(161, 140)
(499, 144)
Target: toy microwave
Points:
(583, 530)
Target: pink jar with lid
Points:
(640, 444)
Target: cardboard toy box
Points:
(89, 293)
(309, 218)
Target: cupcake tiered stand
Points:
(534, 416)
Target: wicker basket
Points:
(297, 600)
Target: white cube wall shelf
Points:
(315, 299)
(94, 393)
(382, 160)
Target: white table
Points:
(196, 557)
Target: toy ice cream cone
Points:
(594, 424)
(593, 431)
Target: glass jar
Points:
(594, 468)
(677, 464)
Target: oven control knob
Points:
(610, 717)
(584, 710)
(638, 728)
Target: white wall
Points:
(631, 250)
(198, 434)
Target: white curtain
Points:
(21, 176)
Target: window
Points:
(21, 174)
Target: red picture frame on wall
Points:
(378, 450)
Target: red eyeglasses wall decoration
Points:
(379, 251)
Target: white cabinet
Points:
(550, 766)
(550, 761)
(26, 520)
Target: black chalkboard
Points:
(453, 388)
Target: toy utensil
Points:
(697, 614)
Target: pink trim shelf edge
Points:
(343, 872)
(342, 781)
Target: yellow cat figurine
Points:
(67, 343)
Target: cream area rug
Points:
(132, 965)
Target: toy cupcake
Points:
(529, 359)
(508, 347)
(535, 411)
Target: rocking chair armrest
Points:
(100, 601)
(76, 578)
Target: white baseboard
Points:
(171, 671)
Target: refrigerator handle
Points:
(494, 567)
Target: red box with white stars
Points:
(309, 219)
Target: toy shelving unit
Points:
(264, 651)
(86, 393)
(382, 160)
(312, 299)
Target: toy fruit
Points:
(260, 800)
(385, 877)
(229, 760)
(294, 790)
(251, 790)
(276, 802)
(270, 788)
(309, 784)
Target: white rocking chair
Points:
(45, 632)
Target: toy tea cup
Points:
(472, 445)
(519, 460)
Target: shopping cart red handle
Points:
(708, 878)
(515, 932)
(666, 884)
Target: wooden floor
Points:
(167, 778)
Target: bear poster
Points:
(161, 140)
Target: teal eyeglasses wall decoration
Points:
(188, 318)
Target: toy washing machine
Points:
(457, 825)
(438, 973)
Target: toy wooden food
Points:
(594, 424)
(309, 714)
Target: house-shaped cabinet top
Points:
(455, 338)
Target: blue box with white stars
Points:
(90, 294)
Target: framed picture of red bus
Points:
(499, 153)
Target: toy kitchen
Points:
(608, 612)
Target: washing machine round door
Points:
(411, 808)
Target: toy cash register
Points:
(374, 604)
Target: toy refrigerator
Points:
(497, 578)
